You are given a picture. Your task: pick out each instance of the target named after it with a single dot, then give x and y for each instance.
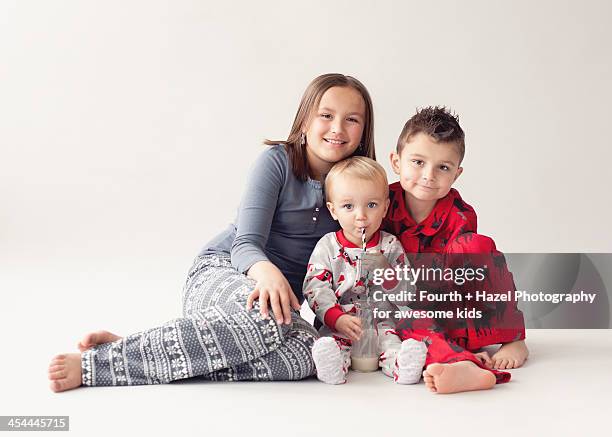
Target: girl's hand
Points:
(350, 326)
(272, 290)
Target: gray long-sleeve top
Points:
(280, 219)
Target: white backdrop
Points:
(126, 129)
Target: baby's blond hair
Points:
(359, 167)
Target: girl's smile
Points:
(335, 129)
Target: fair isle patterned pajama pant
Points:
(217, 339)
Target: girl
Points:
(243, 292)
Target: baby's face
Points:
(358, 204)
(427, 169)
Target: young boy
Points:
(336, 278)
(430, 217)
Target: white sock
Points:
(410, 361)
(328, 361)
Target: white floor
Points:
(564, 389)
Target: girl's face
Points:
(335, 129)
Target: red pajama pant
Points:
(452, 340)
(442, 349)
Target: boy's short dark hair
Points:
(437, 122)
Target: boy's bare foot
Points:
(95, 338)
(65, 372)
(510, 355)
(457, 377)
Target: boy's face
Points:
(427, 169)
(357, 203)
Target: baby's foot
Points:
(328, 361)
(95, 338)
(510, 355)
(410, 361)
(65, 372)
(457, 377)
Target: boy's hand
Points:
(372, 261)
(350, 326)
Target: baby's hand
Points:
(484, 358)
(350, 326)
(374, 260)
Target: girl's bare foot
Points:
(65, 372)
(510, 355)
(457, 377)
(95, 338)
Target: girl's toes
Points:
(55, 386)
(58, 360)
(60, 374)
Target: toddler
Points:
(337, 275)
